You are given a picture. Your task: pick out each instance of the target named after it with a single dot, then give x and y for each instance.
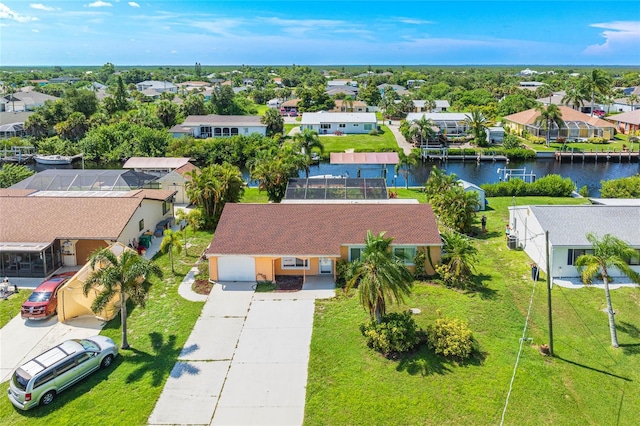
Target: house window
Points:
(141, 225)
(355, 124)
(407, 254)
(635, 259)
(246, 130)
(342, 125)
(325, 125)
(355, 253)
(294, 263)
(165, 207)
(574, 254)
(368, 126)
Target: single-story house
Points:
(274, 103)
(289, 105)
(156, 86)
(557, 97)
(420, 106)
(342, 90)
(218, 126)
(339, 122)
(626, 122)
(449, 123)
(261, 241)
(171, 172)
(568, 227)
(26, 100)
(353, 106)
(342, 82)
(65, 227)
(621, 105)
(400, 90)
(577, 125)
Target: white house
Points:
(420, 106)
(339, 122)
(495, 134)
(219, 126)
(450, 123)
(157, 86)
(568, 227)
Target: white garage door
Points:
(236, 268)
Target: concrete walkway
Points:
(245, 362)
(402, 142)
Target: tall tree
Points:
(597, 82)
(573, 97)
(274, 122)
(167, 112)
(633, 100)
(454, 207)
(126, 276)
(421, 130)
(382, 278)
(547, 116)
(478, 123)
(273, 171)
(406, 163)
(307, 140)
(608, 252)
(459, 256)
(170, 243)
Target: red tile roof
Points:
(568, 114)
(318, 229)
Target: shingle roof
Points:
(50, 218)
(568, 225)
(228, 120)
(317, 229)
(155, 162)
(631, 117)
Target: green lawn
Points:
(126, 393)
(587, 383)
(583, 146)
(288, 127)
(384, 142)
(262, 109)
(11, 306)
(252, 195)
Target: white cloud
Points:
(412, 21)
(133, 4)
(99, 3)
(40, 6)
(6, 13)
(35, 31)
(621, 38)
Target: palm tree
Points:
(429, 105)
(125, 276)
(193, 219)
(171, 242)
(608, 252)
(307, 140)
(599, 81)
(381, 277)
(574, 98)
(347, 103)
(405, 163)
(633, 100)
(459, 256)
(478, 123)
(548, 115)
(422, 128)
(274, 122)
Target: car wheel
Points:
(106, 361)
(47, 398)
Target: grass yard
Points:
(582, 146)
(288, 127)
(126, 393)
(383, 142)
(252, 195)
(11, 306)
(587, 383)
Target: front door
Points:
(326, 265)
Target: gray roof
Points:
(438, 116)
(338, 117)
(227, 120)
(568, 225)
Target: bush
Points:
(450, 338)
(374, 132)
(419, 261)
(342, 273)
(397, 332)
(536, 140)
(584, 191)
(549, 186)
(628, 187)
(597, 140)
(511, 141)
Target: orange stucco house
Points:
(259, 241)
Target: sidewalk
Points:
(402, 142)
(245, 362)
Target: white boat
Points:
(55, 160)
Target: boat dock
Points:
(605, 156)
(17, 154)
(442, 154)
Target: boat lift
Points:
(507, 174)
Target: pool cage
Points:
(336, 188)
(88, 180)
(571, 130)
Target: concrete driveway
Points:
(245, 362)
(21, 340)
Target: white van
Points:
(39, 380)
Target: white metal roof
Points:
(338, 117)
(155, 162)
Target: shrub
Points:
(584, 191)
(597, 140)
(549, 186)
(511, 141)
(342, 273)
(374, 132)
(628, 187)
(419, 261)
(450, 338)
(397, 332)
(536, 140)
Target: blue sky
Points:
(605, 32)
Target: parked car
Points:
(39, 380)
(293, 114)
(43, 302)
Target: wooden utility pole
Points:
(549, 295)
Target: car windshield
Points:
(39, 296)
(89, 345)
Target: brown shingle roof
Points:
(317, 229)
(43, 219)
(184, 169)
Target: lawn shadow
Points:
(479, 287)
(425, 362)
(577, 364)
(630, 329)
(161, 362)
(630, 348)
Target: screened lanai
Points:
(88, 180)
(571, 130)
(336, 189)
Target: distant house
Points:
(339, 122)
(156, 86)
(556, 99)
(621, 105)
(354, 106)
(289, 105)
(170, 171)
(626, 122)
(342, 90)
(469, 187)
(577, 125)
(400, 90)
(342, 82)
(263, 241)
(567, 227)
(65, 80)
(12, 130)
(420, 106)
(415, 83)
(495, 134)
(25, 100)
(218, 126)
(449, 123)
